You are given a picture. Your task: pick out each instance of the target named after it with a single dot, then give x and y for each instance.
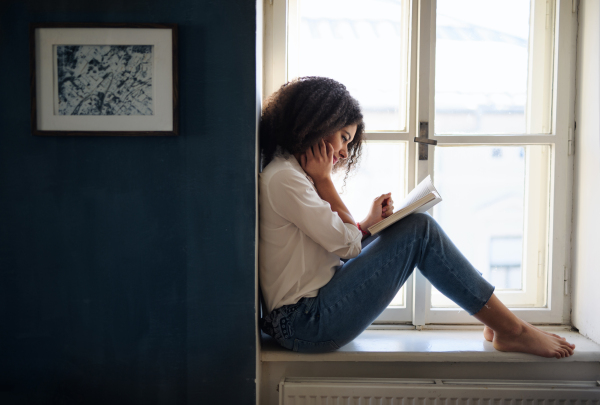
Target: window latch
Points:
(423, 140)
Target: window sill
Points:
(427, 346)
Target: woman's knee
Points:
(412, 224)
(426, 227)
(424, 220)
(415, 227)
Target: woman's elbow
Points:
(350, 252)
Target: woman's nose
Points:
(344, 152)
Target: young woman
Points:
(316, 302)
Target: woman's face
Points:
(340, 140)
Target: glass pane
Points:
(382, 170)
(484, 212)
(481, 66)
(362, 44)
(506, 254)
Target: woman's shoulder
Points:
(282, 167)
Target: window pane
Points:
(481, 67)
(382, 170)
(486, 193)
(506, 253)
(364, 46)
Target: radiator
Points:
(403, 391)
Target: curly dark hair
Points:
(306, 110)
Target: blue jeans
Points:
(364, 286)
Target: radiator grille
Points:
(299, 391)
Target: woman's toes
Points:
(568, 347)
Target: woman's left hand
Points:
(382, 207)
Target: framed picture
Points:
(103, 79)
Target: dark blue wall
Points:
(127, 264)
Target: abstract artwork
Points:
(104, 79)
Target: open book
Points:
(420, 199)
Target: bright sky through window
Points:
(481, 66)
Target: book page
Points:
(423, 188)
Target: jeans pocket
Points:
(279, 323)
(304, 346)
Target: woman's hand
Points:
(317, 161)
(382, 207)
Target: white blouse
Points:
(301, 239)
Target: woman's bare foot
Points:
(508, 333)
(528, 339)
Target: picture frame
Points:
(104, 79)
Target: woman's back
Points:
(301, 239)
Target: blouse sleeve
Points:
(293, 197)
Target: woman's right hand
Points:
(381, 208)
(317, 161)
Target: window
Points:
(484, 80)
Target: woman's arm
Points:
(327, 192)
(317, 162)
(294, 199)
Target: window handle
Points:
(423, 140)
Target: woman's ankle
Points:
(510, 329)
(499, 318)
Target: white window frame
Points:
(551, 122)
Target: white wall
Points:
(586, 193)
